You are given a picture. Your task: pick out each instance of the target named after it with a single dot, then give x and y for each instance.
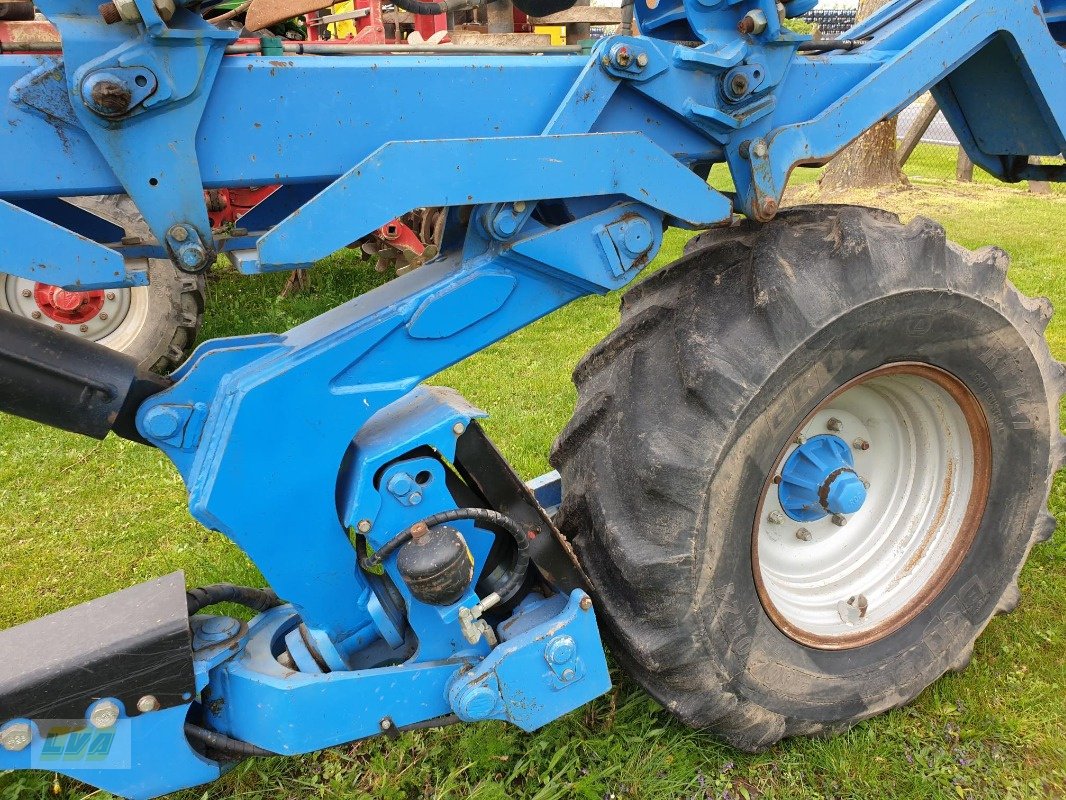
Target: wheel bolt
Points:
(839, 520)
(110, 295)
(83, 328)
(803, 535)
(775, 518)
(103, 315)
(27, 293)
(36, 314)
(834, 424)
(861, 444)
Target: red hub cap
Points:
(72, 308)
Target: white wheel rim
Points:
(927, 465)
(121, 316)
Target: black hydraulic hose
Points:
(223, 745)
(255, 599)
(828, 45)
(516, 575)
(431, 8)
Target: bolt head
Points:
(775, 518)
(414, 498)
(400, 483)
(104, 714)
(107, 94)
(476, 702)
(162, 422)
(458, 428)
(83, 328)
(363, 526)
(861, 444)
(622, 56)
(839, 520)
(148, 704)
(568, 675)
(110, 295)
(16, 737)
(803, 535)
(834, 424)
(36, 314)
(519, 207)
(759, 149)
(192, 255)
(586, 603)
(178, 233)
(103, 315)
(27, 293)
(642, 60)
(738, 84)
(560, 649)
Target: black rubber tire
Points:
(684, 408)
(164, 336)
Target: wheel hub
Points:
(94, 314)
(872, 506)
(819, 479)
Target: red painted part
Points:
(11, 33)
(370, 29)
(427, 25)
(229, 205)
(72, 308)
(397, 234)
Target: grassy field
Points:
(80, 518)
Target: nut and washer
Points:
(104, 714)
(16, 737)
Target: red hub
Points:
(71, 308)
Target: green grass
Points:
(83, 518)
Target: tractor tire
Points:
(155, 324)
(835, 322)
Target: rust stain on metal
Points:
(264, 13)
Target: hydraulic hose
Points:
(255, 599)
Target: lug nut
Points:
(839, 520)
(861, 444)
(147, 704)
(834, 424)
(103, 315)
(775, 518)
(83, 328)
(803, 535)
(36, 314)
(27, 293)
(110, 295)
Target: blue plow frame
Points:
(559, 173)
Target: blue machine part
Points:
(559, 181)
(819, 478)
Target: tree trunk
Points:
(870, 160)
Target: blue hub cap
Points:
(819, 479)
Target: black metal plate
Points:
(125, 645)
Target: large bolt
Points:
(16, 737)
(399, 484)
(768, 209)
(637, 236)
(162, 422)
(148, 704)
(104, 714)
(560, 650)
(475, 702)
(622, 56)
(738, 84)
(753, 23)
(106, 94)
(192, 255)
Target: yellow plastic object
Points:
(557, 32)
(345, 29)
